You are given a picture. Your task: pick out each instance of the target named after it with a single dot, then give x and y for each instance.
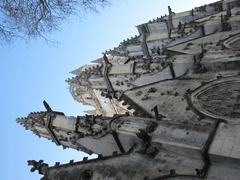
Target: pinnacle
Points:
(29, 120)
(21, 120)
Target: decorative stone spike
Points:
(100, 156)
(129, 108)
(57, 164)
(85, 158)
(38, 165)
(71, 161)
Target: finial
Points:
(38, 165)
(85, 158)
(169, 10)
(57, 164)
(100, 156)
(46, 105)
(20, 120)
(71, 161)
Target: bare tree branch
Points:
(36, 18)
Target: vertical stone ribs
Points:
(107, 65)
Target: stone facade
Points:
(166, 103)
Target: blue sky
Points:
(36, 71)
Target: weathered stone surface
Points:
(166, 103)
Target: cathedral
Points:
(166, 103)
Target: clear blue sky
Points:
(36, 71)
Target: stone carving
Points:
(233, 42)
(166, 104)
(219, 99)
(92, 126)
(38, 165)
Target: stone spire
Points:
(91, 134)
